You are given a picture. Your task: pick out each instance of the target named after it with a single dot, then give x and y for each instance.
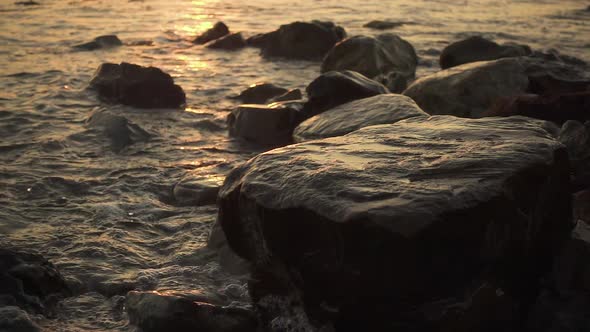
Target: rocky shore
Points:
(457, 201)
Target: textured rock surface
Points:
(372, 57)
(367, 225)
(156, 312)
(345, 118)
(334, 88)
(13, 319)
(477, 48)
(143, 87)
(196, 190)
(100, 42)
(301, 40)
(576, 136)
(117, 128)
(263, 124)
(293, 94)
(471, 89)
(260, 93)
(229, 42)
(217, 31)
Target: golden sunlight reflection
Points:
(193, 63)
(199, 20)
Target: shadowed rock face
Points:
(229, 42)
(343, 119)
(300, 40)
(477, 48)
(133, 85)
(100, 42)
(366, 226)
(217, 31)
(260, 93)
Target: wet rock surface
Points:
(229, 42)
(345, 118)
(382, 56)
(13, 319)
(100, 42)
(226, 257)
(217, 31)
(293, 94)
(363, 228)
(300, 40)
(384, 25)
(477, 48)
(196, 190)
(119, 130)
(157, 312)
(260, 93)
(30, 282)
(335, 88)
(134, 85)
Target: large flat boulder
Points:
(134, 85)
(471, 89)
(363, 228)
(343, 119)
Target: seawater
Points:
(104, 216)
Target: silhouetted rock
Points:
(301, 40)
(217, 31)
(293, 94)
(27, 3)
(477, 48)
(572, 268)
(13, 319)
(264, 124)
(471, 89)
(334, 88)
(100, 42)
(387, 53)
(260, 93)
(557, 108)
(117, 128)
(384, 25)
(576, 137)
(362, 227)
(30, 282)
(560, 313)
(196, 190)
(258, 40)
(232, 41)
(156, 312)
(345, 118)
(133, 85)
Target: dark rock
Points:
(30, 281)
(345, 118)
(469, 90)
(335, 88)
(133, 85)
(13, 319)
(27, 3)
(572, 268)
(260, 93)
(270, 125)
(582, 206)
(373, 57)
(258, 40)
(217, 31)
(226, 257)
(390, 217)
(477, 48)
(232, 41)
(560, 313)
(196, 190)
(301, 40)
(156, 312)
(384, 25)
(551, 73)
(100, 42)
(117, 128)
(576, 137)
(557, 108)
(293, 94)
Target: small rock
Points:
(384, 25)
(260, 93)
(229, 42)
(27, 3)
(196, 190)
(477, 48)
(293, 94)
(217, 31)
(263, 124)
(156, 312)
(117, 128)
(100, 42)
(133, 85)
(13, 319)
(335, 88)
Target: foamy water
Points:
(105, 217)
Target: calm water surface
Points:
(104, 216)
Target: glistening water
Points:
(103, 213)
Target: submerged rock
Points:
(372, 57)
(334, 88)
(300, 40)
(30, 282)
(14, 319)
(368, 225)
(477, 48)
(271, 124)
(260, 93)
(345, 118)
(217, 31)
(133, 85)
(156, 312)
(117, 128)
(469, 90)
(100, 42)
(384, 25)
(230, 42)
